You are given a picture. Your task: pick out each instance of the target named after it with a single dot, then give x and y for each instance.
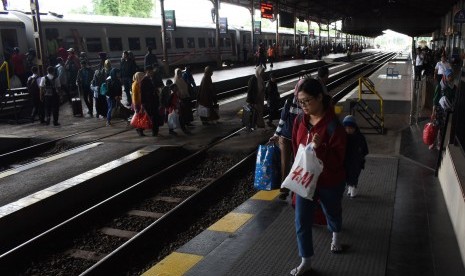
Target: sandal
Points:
(297, 272)
(336, 248)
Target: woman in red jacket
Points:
(319, 125)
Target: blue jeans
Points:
(111, 103)
(330, 200)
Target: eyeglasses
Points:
(305, 101)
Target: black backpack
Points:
(32, 85)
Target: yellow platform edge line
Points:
(230, 222)
(266, 195)
(175, 264)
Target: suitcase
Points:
(77, 107)
(249, 116)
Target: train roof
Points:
(9, 19)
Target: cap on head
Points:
(71, 50)
(349, 120)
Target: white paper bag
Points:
(304, 172)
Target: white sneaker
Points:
(354, 192)
(349, 190)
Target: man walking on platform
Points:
(83, 80)
(49, 86)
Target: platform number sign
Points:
(170, 20)
(266, 10)
(223, 25)
(257, 27)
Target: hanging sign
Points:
(257, 27)
(266, 10)
(170, 20)
(223, 25)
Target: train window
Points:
(9, 38)
(134, 43)
(211, 42)
(51, 33)
(202, 42)
(94, 44)
(190, 42)
(151, 42)
(115, 43)
(179, 42)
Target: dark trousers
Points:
(38, 109)
(418, 70)
(52, 106)
(154, 115)
(101, 107)
(88, 98)
(127, 89)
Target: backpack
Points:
(50, 89)
(104, 89)
(32, 85)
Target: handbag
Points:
(267, 168)
(304, 173)
(203, 111)
(430, 131)
(141, 120)
(173, 120)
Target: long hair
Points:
(313, 88)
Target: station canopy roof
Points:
(367, 17)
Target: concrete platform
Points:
(398, 225)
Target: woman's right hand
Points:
(273, 139)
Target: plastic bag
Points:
(268, 168)
(141, 120)
(430, 131)
(173, 120)
(304, 172)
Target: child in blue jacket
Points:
(356, 150)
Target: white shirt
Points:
(50, 77)
(419, 60)
(442, 67)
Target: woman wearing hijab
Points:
(206, 98)
(136, 95)
(185, 110)
(256, 95)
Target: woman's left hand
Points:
(316, 140)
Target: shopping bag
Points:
(267, 168)
(304, 172)
(430, 131)
(173, 120)
(203, 111)
(141, 120)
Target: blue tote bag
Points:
(268, 168)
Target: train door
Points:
(233, 44)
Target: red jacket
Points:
(332, 149)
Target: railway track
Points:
(155, 200)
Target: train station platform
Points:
(397, 225)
